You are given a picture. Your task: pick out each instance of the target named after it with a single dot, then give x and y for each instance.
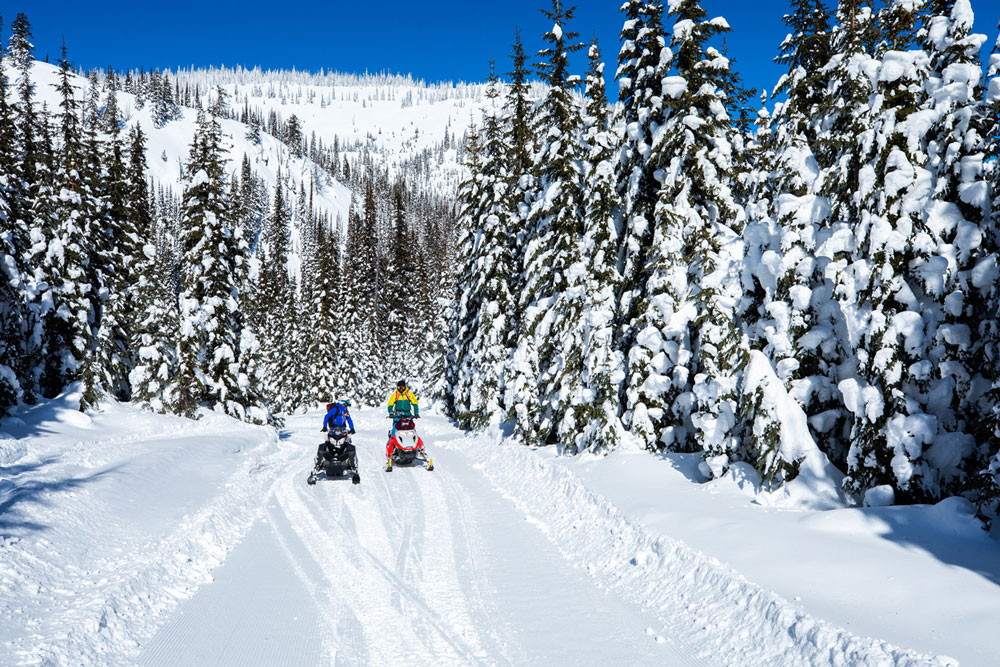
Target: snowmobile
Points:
(335, 457)
(405, 447)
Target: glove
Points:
(351, 431)
(323, 430)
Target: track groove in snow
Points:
(695, 599)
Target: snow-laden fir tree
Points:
(210, 322)
(155, 330)
(551, 242)
(61, 248)
(326, 349)
(359, 371)
(399, 290)
(111, 360)
(30, 198)
(590, 378)
(958, 216)
(985, 486)
(276, 298)
(460, 376)
(495, 269)
(14, 312)
(643, 62)
(804, 52)
(689, 330)
(915, 248)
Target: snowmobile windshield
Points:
(338, 433)
(405, 424)
(406, 440)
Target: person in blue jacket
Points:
(339, 426)
(338, 414)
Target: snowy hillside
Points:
(129, 538)
(168, 146)
(391, 119)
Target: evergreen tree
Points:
(400, 288)
(493, 271)
(460, 376)
(914, 256)
(211, 326)
(277, 304)
(689, 333)
(155, 329)
(111, 359)
(551, 242)
(14, 312)
(63, 209)
(593, 369)
(326, 346)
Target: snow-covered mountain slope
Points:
(395, 119)
(129, 538)
(167, 147)
(391, 120)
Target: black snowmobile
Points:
(336, 457)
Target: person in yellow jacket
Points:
(402, 404)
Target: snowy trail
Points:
(135, 539)
(410, 567)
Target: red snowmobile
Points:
(406, 447)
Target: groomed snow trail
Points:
(135, 539)
(408, 568)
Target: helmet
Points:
(343, 401)
(401, 383)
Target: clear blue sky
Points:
(436, 41)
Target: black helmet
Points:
(401, 383)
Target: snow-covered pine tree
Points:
(111, 359)
(518, 115)
(985, 486)
(957, 219)
(792, 315)
(155, 329)
(359, 372)
(689, 331)
(398, 289)
(14, 312)
(325, 353)
(592, 391)
(914, 250)
(460, 375)
(276, 296)
(494, 270)
(804, 52)
(61, 251)
(643, 62)
(551, 241)
(29, 196)
(210, 329)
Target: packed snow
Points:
(133, 538)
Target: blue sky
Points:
(435, 41)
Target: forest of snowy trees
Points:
(621, 270)
(185, 300)
(664, 267)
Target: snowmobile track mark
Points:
(404, 549)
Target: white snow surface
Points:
(128, 538)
